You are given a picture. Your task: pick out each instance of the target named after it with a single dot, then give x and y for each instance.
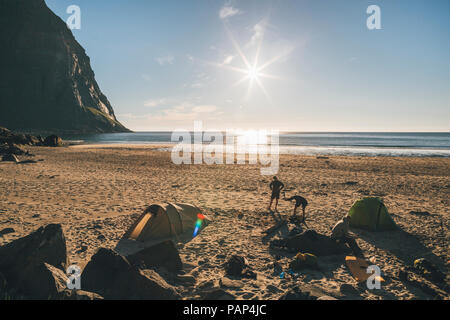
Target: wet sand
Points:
(95, 192)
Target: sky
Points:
(289, 65)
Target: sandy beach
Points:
(96, 192)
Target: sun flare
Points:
(253, 73)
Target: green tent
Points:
(371, 214)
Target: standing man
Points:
(276, 186)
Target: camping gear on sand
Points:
(161, 222)
(358, 268)
(312, 242)
(304, 261)
(371, 214)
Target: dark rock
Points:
(23, 257)
(48, 282)
(164, 254)
(13, 149)
(46, 81)
(113, 277)
(10, 158)
(53, 141)
(43, 282)
(6, 231)
(235, 265)
(218, 294)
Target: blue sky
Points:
(164, 64)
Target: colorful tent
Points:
(167, 220)
(371, 214)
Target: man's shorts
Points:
(275, 195)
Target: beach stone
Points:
(10, 158)
(25, 256)
(113, 277)
(13, 149)
(235, 265)
(43, 282)
(164, 254)
(53, 141)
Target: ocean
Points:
(311, 143)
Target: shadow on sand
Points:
(406, 247)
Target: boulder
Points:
(164, 254)
(25, 256)
(53, 141)
(112, 276)
(43, 282)
(10, 158)
(235, 265)
(13, 149)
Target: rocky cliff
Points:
(46, 80)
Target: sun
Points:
(253, 73)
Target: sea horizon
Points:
(398, 144)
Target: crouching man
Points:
(340, 233)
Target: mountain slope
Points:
(46, 80)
